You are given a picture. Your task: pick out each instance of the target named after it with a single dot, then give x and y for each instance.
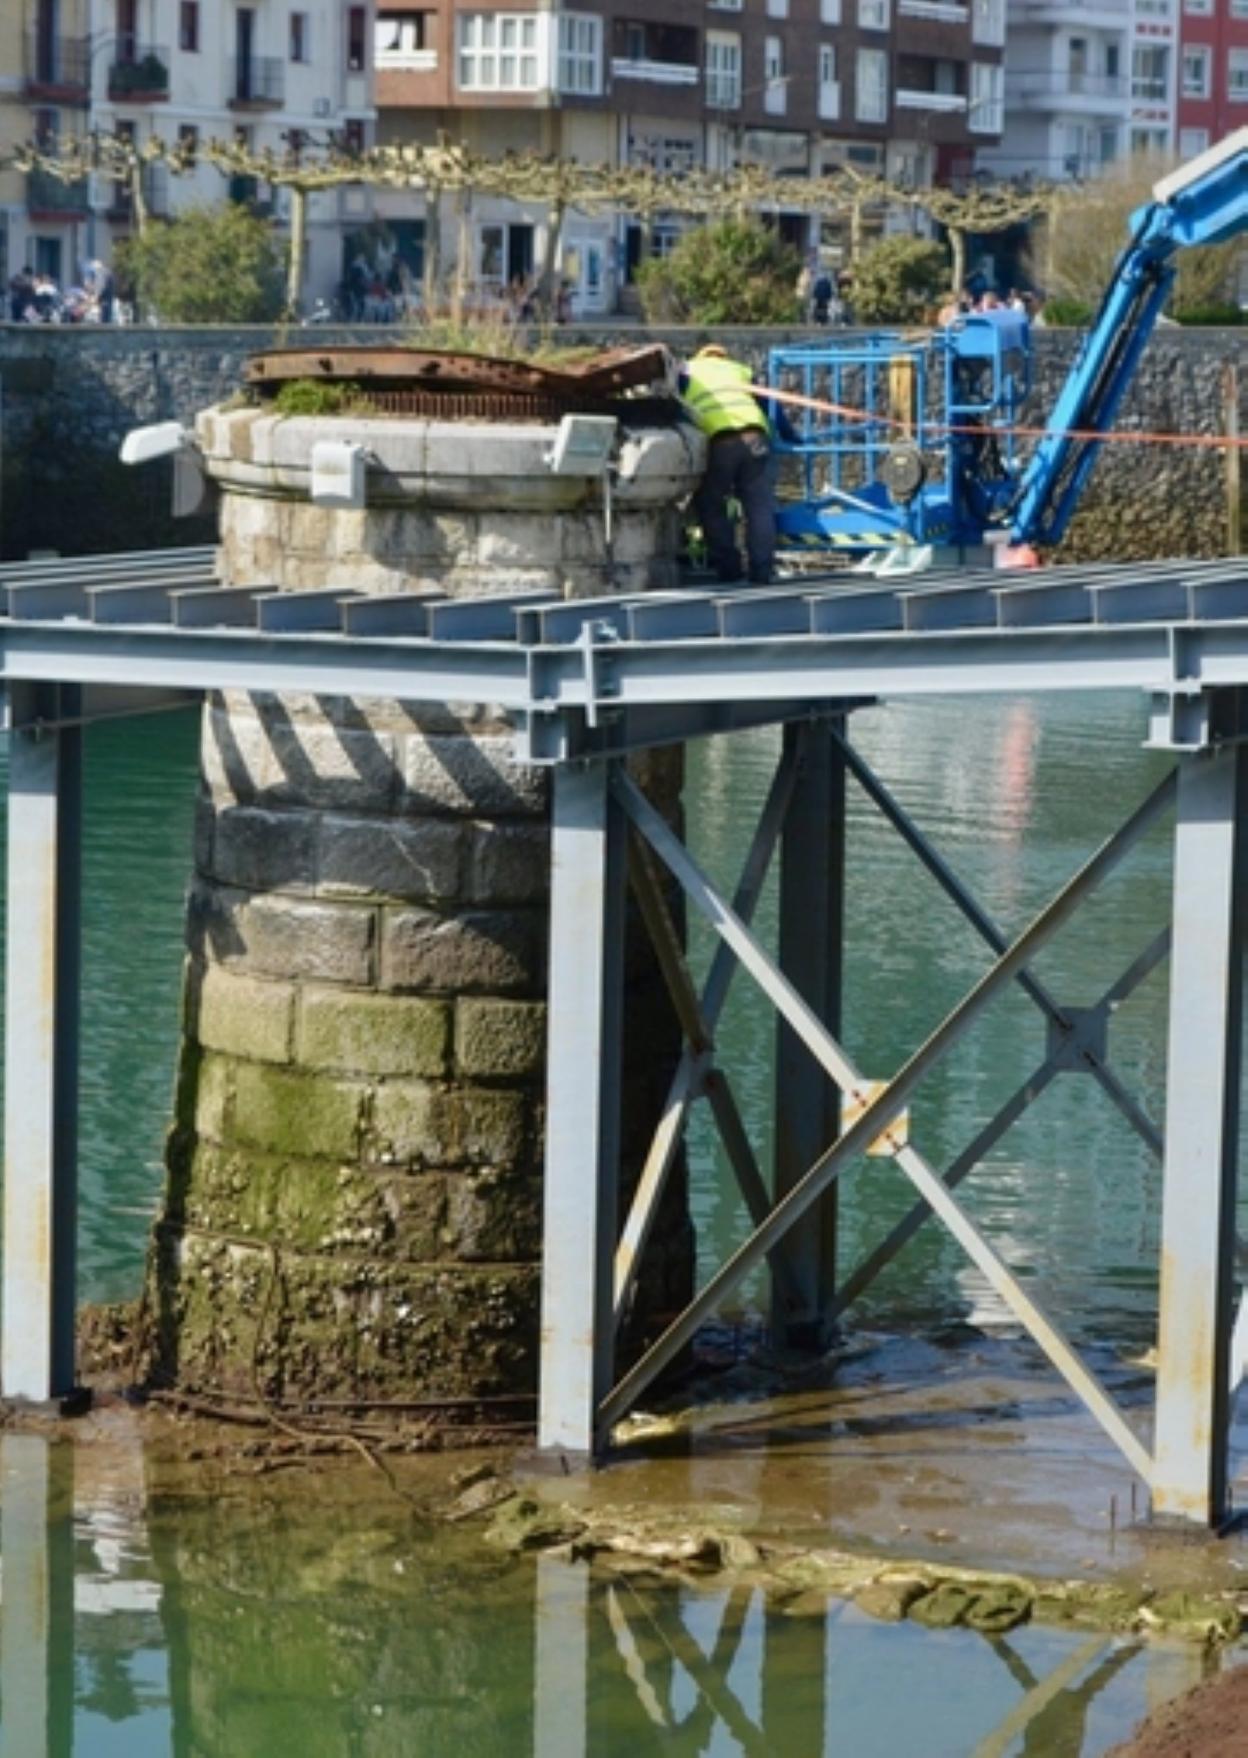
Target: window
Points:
(1198, 8)
(299, 36)
(1193, 141)
(580, 53)
(872, 15)
(188, 138)
(777, 8)
(188, 26)
(1150, 73)
(871, 85)
(988, 22)
(498, 51)
(723, 70)
(351, 135)
(773, 59)
(401, 35)
(725, 5)
(986, 113)
(1239, 8)
(775, 83)
(357, 39)
(1196, 71)
(1237, 75)
(829, 86)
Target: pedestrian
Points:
(21, 295)
(803, 288)
(718, 393)
(822, 294)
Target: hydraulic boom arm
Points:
(1204, 202)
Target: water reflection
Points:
(142, 1616)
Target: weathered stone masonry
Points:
(354, 1194)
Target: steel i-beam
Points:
(587, 894)
(41, 1046)
(1202, 1137)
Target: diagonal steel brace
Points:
(880, 1108)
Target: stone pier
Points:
(353, 1206)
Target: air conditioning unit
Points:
(322, 107)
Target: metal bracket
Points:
(1084, 1030)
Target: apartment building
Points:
(263, 74)
(1086, 81)
(45, 63)
(913, 87)
(1213, 72)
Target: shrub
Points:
(211, 265)
(898, 280)
(730, 272)
(1067, 313)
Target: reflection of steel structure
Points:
(589, 681)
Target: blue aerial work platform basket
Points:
(915, 443)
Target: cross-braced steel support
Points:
(41, 1044)
(1202, 1136)
(1077, 1042)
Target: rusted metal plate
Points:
(393, 369)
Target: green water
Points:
(301, 1621)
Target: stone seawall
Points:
(70, 394)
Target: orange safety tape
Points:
(1207, 440)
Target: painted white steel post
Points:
(1202, 1137)
(582, 1105)
(41, 1047)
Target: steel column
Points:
(807, 1102)
(583, 1047)
(1202, 1137)
(41, 1046)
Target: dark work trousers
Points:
(739, 467)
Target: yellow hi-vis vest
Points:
(717, 397)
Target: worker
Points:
(738, 427)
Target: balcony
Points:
(1081, 93)
(655, 72)
(138, 73)
(1105, 14)
(406, 60)
(939, 11)
(939, 103)
(49, 198)
(58, 69)
(258, 83)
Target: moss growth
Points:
(310, 396)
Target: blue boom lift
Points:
(919, 444)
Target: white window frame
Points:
(874, 15)
(1237, 65)
(579, 66)
(1196, 57)
(723, 70)
(499, 51)
(1239, 8)
(1193, 141)
(871, 95)
(988, 23)
(1198, 8)
(777, 8)
(829, 94)
(829, 11)
(986, 106)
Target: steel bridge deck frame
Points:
(586, 681)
